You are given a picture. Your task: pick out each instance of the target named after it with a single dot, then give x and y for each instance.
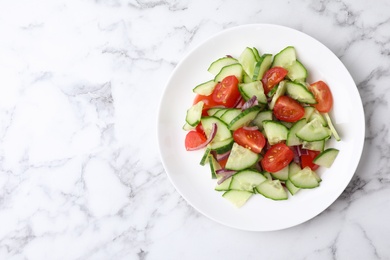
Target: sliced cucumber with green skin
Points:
(275, 131)
(262, 116)
(230, 114)
(212, 111)
(187, 127)
(281, 89)
(241, 158)
(223, 146)
(214, 166)
(194, 114)
(223, 131)
(205, 88)
(217, 65)
(248, 90)
(297, 72)
(237, 197)
(248, 60)
(244, 118)
(233, 69)
(300, 93)
(293, 169)
(285, 57)
(205, 157)
(256, 53)
(308, 112)
(332, 128)
(292, 138)
(313, 131)
(320, 118)
(272, 189)
(246, 180)
(304, 179)
(291, 188)
(282, 174)
(262, 66)
(326, 158)
(220, 112)
(314, 146)
(224, 186)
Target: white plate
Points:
(194, 182)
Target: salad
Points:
(262, 126)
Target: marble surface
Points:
(80, 172)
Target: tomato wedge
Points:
(272, 77)
(253, 140)
(323, 96)
(194, 138)
(226, 92)
(307, 159)
(277, 157)
(288, 109)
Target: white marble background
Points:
(80, 173)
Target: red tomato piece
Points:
(277, 157)
(288, 109)
(207, 100)
(272, 77)
(307, 160)
(251, 139)
(226, 92)
(323, 96)
(194, 139)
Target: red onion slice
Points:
(297, 159)
(220, 157)
(250, 103)
(213, 132)
(251, 128)
(226, 174)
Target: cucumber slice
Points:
(282, 174)
(205, 157)
(308, 112)
(285, 57)
(187, 127)
(297, 72)
(214, 166)
(262, 116)
(292, 138)
(320, 118)
(272, 189)
(220, 112)
(300, 93)
(326, 158)
(224, 186)
(262, 66)
(314, 131)
(248, 90)
(248, 60)
(256, 53)
(244, 118)
(246, 180)
(281, 89)
(241, 158)
(304, 179)
(217, 65)
(223, 131)
(205, 88)
(237, 197)
(230, 114)
(293, 169)
(233, 69)
(213, 111)
(291, 188)
(331, 126)
(314, 146)
(194, 114)
(223, 146)
(275, 131)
